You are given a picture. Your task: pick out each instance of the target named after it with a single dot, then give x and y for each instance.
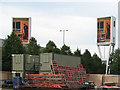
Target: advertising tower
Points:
(106, 34)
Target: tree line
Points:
(12, 45)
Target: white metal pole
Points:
(107, 64)
(99, 51)
(63, 35)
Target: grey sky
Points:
(78, 16)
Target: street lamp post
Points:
(63, 35)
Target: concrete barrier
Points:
(99, 79)
(5, 75)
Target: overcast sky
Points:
(79, 17)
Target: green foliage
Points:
(65, 50)
(87, 61)
(51, 48)
(12, 45)
(77, 53)
(92, 64)
(32, 47)
(98, 67)
(115, 62)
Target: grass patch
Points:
(7, 87)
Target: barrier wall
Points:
(99, 79)
(5, 75)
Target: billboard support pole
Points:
(107, 63)
(111, 50)
(99, 51)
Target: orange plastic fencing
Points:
(46, 80)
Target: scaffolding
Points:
(75, 77)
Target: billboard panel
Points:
(22, 28)
(104, 30)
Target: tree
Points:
(98, 67)
(33, 48)
(65, 50)
(51, 48)
(92, 64)
(87, 61)
(11, 45)
(77, 53)
(115, 62)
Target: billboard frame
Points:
(112, 31)
(29, 28)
